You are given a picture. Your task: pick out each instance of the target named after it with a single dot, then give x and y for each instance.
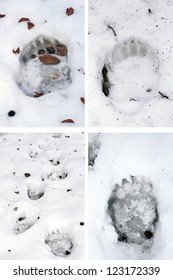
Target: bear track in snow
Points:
(35, 188)
(24, 216)
(133, 210)
(44, 67)
(142, 60)
(60, 243)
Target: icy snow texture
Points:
(50, 19)
(35, 208)
(120, 156)
(135, 46)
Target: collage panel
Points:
(42, 63)
(130, 196)
(42, 196)
(130, 63)
(61, 160)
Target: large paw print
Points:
(133, 210)
(44, 67)
(23, 216)
(130, 74)
(35, 188)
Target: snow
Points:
(50, 20)
(42, 196)
(149, 158)
(133, 40)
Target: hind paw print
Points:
(133, 210)
(130, 73)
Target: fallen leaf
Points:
(82, 100)
(67, 121)
(48, 59)
(62, 52)
(30, 25)
(1, 16)
(23, 19)
(37, 94)
(69, 11)
(17, 51)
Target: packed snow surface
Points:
(42, 196)
(130, 197)
(39, 92)
(130, 63)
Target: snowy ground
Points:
(42, 196)
(149, 159)
(50, 19)
(133, 40)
